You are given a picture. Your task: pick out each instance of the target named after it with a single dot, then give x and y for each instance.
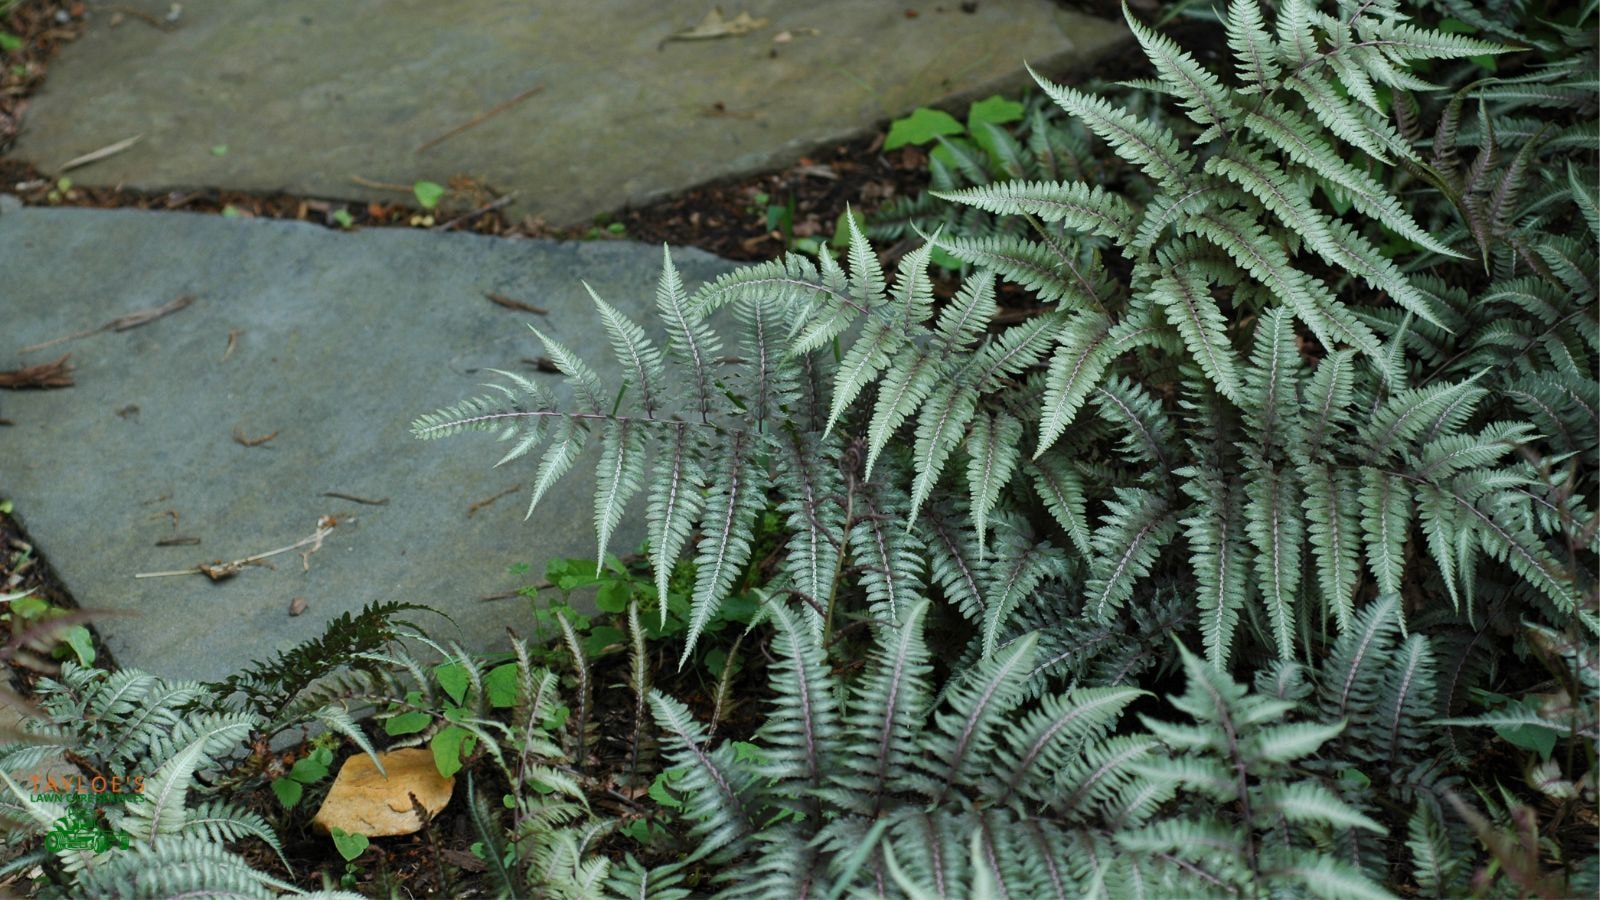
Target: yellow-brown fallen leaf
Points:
(715, 25)
(365, 801)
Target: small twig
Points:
(354, 499)
(97, 155)
(488, 207)
(219, 570)
(56, 374)
(480, 118)
(381, 185)
(233, 341)
(121, 323)
(238, 435)
(508, 303)
(178, 542)
(471, 510)
(139, 14)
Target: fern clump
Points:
(179, 825)
(1309, 387)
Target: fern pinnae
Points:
(640, 358)
(1385, 519)
(993, 447)
(1085, 351)
(890, 566)
(1297, 139)
(1359, 645)
(1012, 576)
(1060, 486)
(940, 424)
(809, 469)
(166, 791)
(1217, 556)
(905, 387)
(885, 703)
(676, 500)
(1333, 531)
(984, 695)
(867, 356)
(1144, 144)
(689, 339)
(1348, 122)
(1138, 524)
(1198, 91)
(1048, 734)
(724, 815)
(736, 498)
(618, 478)
(1252, 47)
(565, 447)
(1080, 206)
(953, 561)
(965, 318)
(1273, 523)
(1186, 298)
(222, 822)
(806, 720)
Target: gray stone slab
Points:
(341, 340)
(306, 93)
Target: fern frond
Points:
(618, 476)
(993, 448)
(1200, 94)
(1252, 47)
(1274, 526)
(886, 707)
(718, 791)
(1217, 553)
(677, 497)
(1333, 529)
(736, 497)
(193, 745)
(1137, 525)
(979, 700)
(1086, 347)
(1077, 205)
(1185, 295)
(1138, 141)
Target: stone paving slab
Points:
(340, 341)
(306, 94)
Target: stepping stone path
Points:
(339, 341)
(331, 343)
(306, 94)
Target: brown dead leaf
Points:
(365, 801)
(56, 374)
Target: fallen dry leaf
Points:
(715, 25)
(56, 374)
(363, 800)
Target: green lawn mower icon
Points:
(77, 830)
